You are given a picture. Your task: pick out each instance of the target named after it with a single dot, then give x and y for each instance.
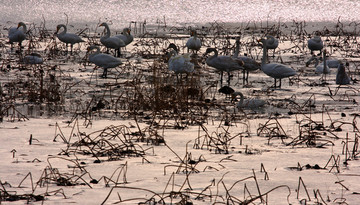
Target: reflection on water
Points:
(122, 12)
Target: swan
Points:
(331, 63)
(223, 63)
(319, 69)
(126, 36)
(33, 58)
(193, 43)
(249, 63)
(253, 103)
(67, 37)
(179, 63)
(275, 70)
(341, 77)
(315, 44)
(272, 43)
(17, 34)
(103, 60)
(111, 42)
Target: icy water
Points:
(175, 12)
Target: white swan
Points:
(111, 42)
(253, 103)
(180, 63)
(323, 68)
(331, 63)
(193, 43)
(17, 34)
(274, 70)
(315, 44)
(272, 43)
(249, 63)
(341, 77)
(67, 38)
(223, 63)
(126, 36)
(103, 60)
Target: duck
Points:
(103, 60)
(193, 43)
(179, 63)
(252, 103)
(275, 70)
(223, 63)
(341, 77)
(17, 34)
(250, 64)
(67, 38)
(111, 42)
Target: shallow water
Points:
(177, 12)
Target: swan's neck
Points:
(241, 99)
(23, 26)
(264, 58)
(107, 33)
(64, 31)
(324, 56)
(237, 48)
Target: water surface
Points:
(175, 12)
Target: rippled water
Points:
(175, 12)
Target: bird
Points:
(223, 63)
(17, 34)
(67, 38)
(179, 63)
(253, 103)
(33, 58)
(274, 70)
(331, 63)
(193, 43)
(102, 59)
(341, 77)
(323, 68)
(272, 43)
(111, 42)
(315, 44)
(249, 63)
(126, 36)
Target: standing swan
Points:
(179, 63)
(315, 44)
(193, 43)
(274, 70)
(17, 34)
(223, 63)
(67, 37)
(111, 42)
(249, 63)
(272, 43)
(103, 60)
(252, 103)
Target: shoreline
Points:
(183, 28)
